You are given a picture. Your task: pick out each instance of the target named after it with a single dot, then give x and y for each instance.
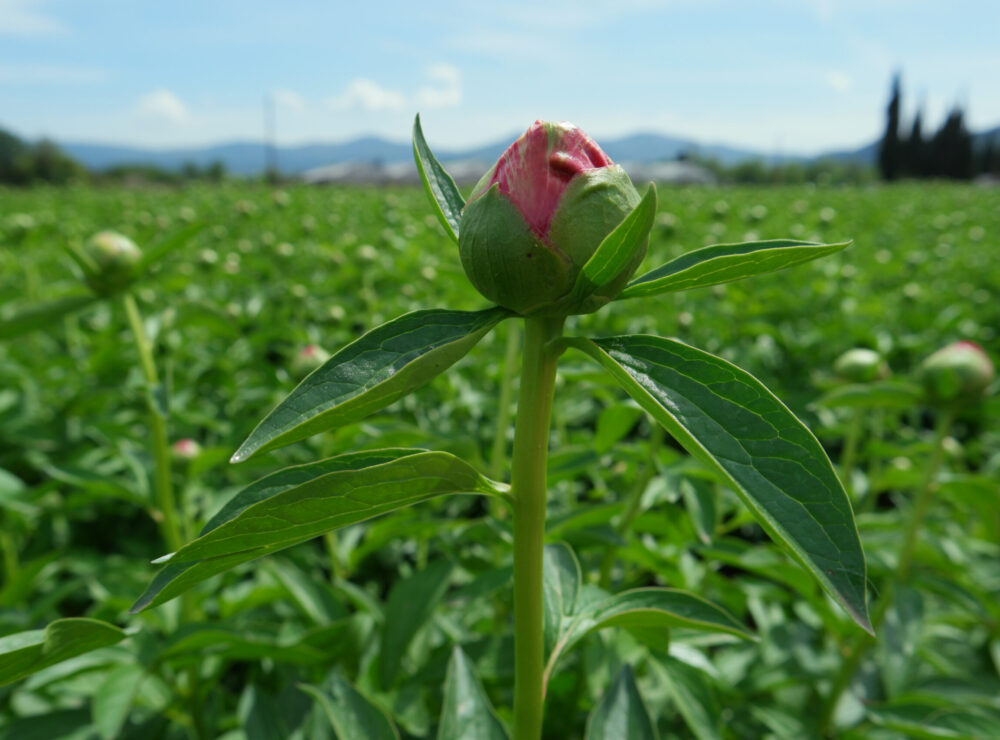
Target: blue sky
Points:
(777, 75)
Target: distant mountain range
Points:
(250, 158)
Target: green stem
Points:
(903, 565)
(11, 566)
(169, 524)
(923, 502)
(528, 468)
(848, 459)
(874, 461)
(336, 568)
(633, 506)
(497, 457)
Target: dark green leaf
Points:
(466, 713)
(411, 603)
(41, 315)
(297, 504)
(724, 263)
(438, 184)
(353, 717)
(693, 696)
(621, 713)
(618, 248)
(729, 420)
(561, 585)
(24, 653)
(372, 372)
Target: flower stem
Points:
(848, 459)
(923, 502)
(170, 526)
(503, 406)
(902, 573)
(528, 489)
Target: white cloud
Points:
(164, 106)
(442, 89)
(445, 90)
(367, 95)
(288, 99)
(24, 18)
(50, 74)
(839, 81)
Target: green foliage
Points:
(230, 305)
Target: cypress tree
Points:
(890, 151)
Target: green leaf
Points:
(646, 609)
(411, 603)
(693, 696)
(24, 653)
(726, 418)
(353, 717)
(934, 719)
(40, 315)
(438, 184)
(621, 713)
(113, 699)
(724, 263)
(613, 424)
(466, 713)
(618, 248)
(700, 503)
(153, 253)
(299, 503)
(372, 372)
(891, 394)
(561, 584)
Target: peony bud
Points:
(308, 359)
(113, 260)
(861, 365)
(186, 449)
(538, 215)
(957, 374)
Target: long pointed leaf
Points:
(411, 603)
(693, 696)
(372, 372)
(24, 653)
(621, 713)
(560, 586)
(728, 419)
(439, 185)
(466, 713)
(353, 717)
(618, 248)
(40, 315)
(297, 504)
(657, 608)
(724, 263)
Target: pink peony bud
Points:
(539, 214)
(308, 359)
(186, 449)
(956, 375)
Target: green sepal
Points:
(438, 184)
